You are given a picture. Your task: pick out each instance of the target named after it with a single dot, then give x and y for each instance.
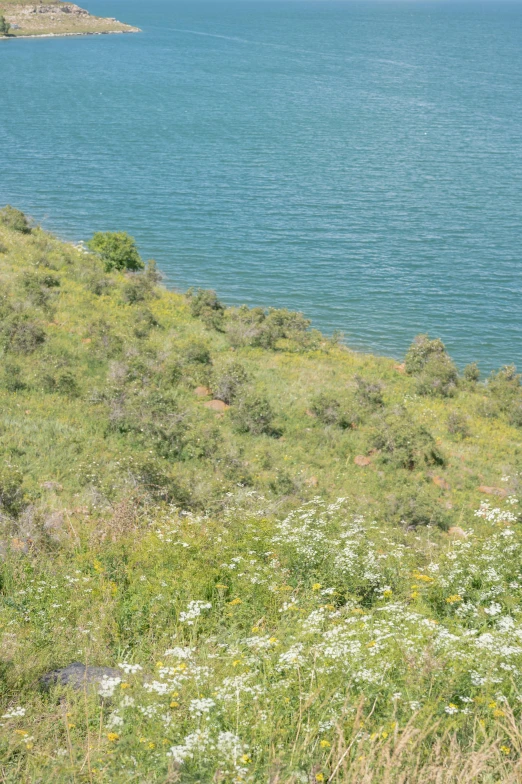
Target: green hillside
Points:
(304, 560)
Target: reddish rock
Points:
(202, 392)
(440, 482)
(401, 368)
(312, 481)
(216, 405)
(362, 460)
(499, 491)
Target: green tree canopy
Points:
(4, 26)
(117, 249)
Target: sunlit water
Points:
(358, 161)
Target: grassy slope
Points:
(315, 626)
(55, 22)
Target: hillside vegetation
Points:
(53, 17)
(305, 562)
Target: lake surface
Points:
(358, 161)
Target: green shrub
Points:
(253, 414)
(261, 328)
(417, 507)
(11, 490)
(369, 393)
(330, 412)
(4, 26)
(13, 377)
(14, 219)
(429, 362)
(38, 287)
(117, 249)
(196, 353)
(205, 305)
(471, 373)
(506, 393)
(458, 425)
(3, 248)
(405, 444)
(144, 322)
(229, 382)
(20, 334)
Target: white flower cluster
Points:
(108, 686)
(14, 713)
(193, 611)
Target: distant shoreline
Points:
(70, 35)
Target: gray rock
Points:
(79, 676)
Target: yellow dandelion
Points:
(319, 777)
(245, 759)
(235, 602)
(124, 685)
(316, 587)
(325, 744)
(174, 704)
(498, 713)
(113, 736)
(505, 750)
(387, 593)
(151, 745)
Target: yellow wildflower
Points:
(113, 736)
(453, 599)
(235, 601)
(325, 744)
(319, 777)
(505, 750)
(316, 586)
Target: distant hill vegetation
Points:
(22, 18)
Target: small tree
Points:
(117, 249)
(14, 219)
(4, 26)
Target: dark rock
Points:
(79, 676)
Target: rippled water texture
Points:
(359, 161)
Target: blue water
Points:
(358, 161)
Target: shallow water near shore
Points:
(358, 161)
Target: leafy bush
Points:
(458, 425)
(11, 491)
(471, 373)
(144, 322)
(506, 391)
(12, 374)
(117, 249)
(14, 219)
(38, 287)
(229, 382)
(197, 353)
(405, 444)
(20, 334)
(330, 412)
(3, 248)
(429, 362)
(417, 508)
(253, 414)
(369, 393)
(205, 305)
(4, 26)
(261, 328)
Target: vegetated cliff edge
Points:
(305, 562)
(56, 18)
